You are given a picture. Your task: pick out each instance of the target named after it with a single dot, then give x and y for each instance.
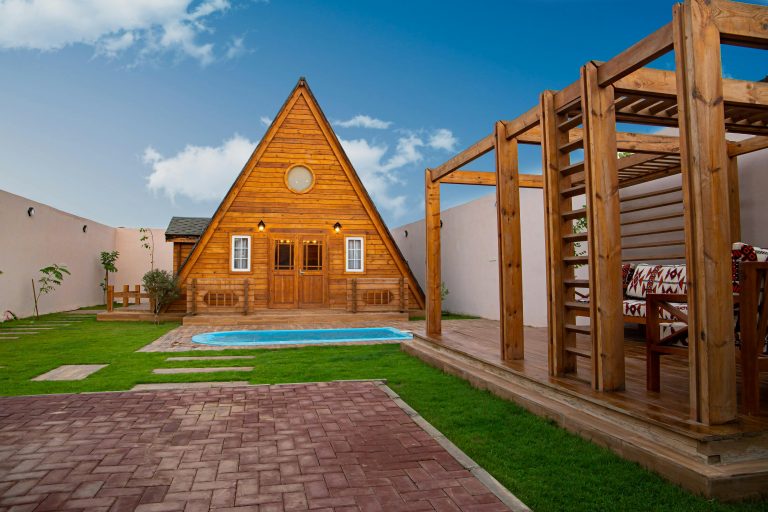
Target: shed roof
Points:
(186, 226)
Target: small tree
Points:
(50, 279)
(108, 260)
(162, 288)
(148, 242)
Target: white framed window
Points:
(355, 254)
(241, 253)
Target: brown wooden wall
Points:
(180, 252)
(264, 196)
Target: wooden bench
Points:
(751, 308)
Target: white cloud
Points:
(363, 121)
(266, 121)
(236, 48)
(201, 173)
(110, 26)
(443, 139)
(378, 173)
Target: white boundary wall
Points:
(28, 244)
(469, 256)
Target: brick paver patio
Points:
(339, 446)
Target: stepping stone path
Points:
(71, 372)
(208, 358)
(215, 369)
(188, 385)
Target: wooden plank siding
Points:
(300, 135)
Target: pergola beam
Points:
(636, 56)
(475, 151)
(741, 24)
(489, 179)
(749, 145)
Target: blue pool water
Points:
(301, 336)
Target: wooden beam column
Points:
(604, 226)
(510, 257)
(707, 230)
(734, 199)
(560, 361)
(432, 222)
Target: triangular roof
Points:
(302, 90)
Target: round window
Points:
(299, 179)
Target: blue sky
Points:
(131, 111)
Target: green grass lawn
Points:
(545, 466)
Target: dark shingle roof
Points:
(186, 226)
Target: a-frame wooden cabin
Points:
(297, 229)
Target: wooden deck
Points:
(727, 461)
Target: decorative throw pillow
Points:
(744, 252)
(672, 280)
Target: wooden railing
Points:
(377, 294)
(218, 296)
(126, 295)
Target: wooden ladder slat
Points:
(572, 145)
(578, 329)
(576, 190)
(575, 237)
(576, 260)
(572, 122)
(572, 169)
(581, 306)
(574, 214)
(576, 283)
(579, 352)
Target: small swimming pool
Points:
(301, 336)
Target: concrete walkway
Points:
(340, 446)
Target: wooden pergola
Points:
(583, 116)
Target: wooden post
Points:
(510, 257)
(432, 221)
(604, 227)
(110, 297)
(137, 293)
(560, 361)
(126, 293)
(193, 292)
(353, 286)
(751, 344)
(245, 296)
(704, 166)
(402, 294)
(734, 199)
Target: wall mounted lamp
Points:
(262, 226)
(337, 227)
(85, 228)
(31, 211)
(406, 233)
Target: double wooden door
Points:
(298, 275)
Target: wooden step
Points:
(579, 352)
(576, 283)
(666, 243)
(572, 145)
(574, 214)
(578, 329)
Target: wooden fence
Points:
(126, 295)
(377, 294)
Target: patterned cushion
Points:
(744, 252)
(670, 328)
(657, 279)
(627, 271)
(638, 308)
